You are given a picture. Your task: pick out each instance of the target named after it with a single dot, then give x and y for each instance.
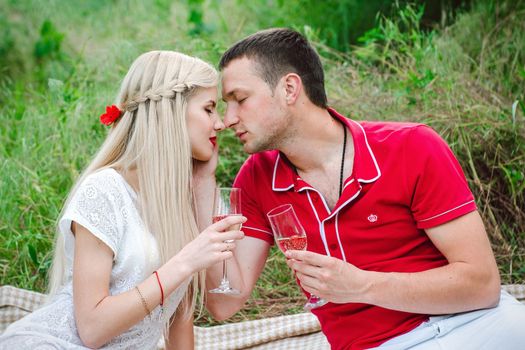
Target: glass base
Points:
(224, 288)
(314, 302)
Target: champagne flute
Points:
(290, 235)
(226, 202)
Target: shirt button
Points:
(333, 246)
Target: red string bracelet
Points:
(161, 289)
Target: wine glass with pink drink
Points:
(290, 235)
(226, 202)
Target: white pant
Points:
(502, 327)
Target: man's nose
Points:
(230, 117)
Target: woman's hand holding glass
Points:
(212, 246)
(226, 204)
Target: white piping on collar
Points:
(371, 154)
(348, 183)
(360, 180)
(319, 194)
(275, 172)
(343, 205)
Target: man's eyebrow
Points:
(228, 95)
(239, 90)
(212, 102)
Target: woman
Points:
(128, 239)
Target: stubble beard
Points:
(271, 141)
(257, 146)
(273, 137)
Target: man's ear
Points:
(293, 86)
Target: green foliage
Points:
(196, 18)
(48, 46)
(11, 63)
(6, 41)
(497, 53)
(338, 22)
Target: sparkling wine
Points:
(294, 242)
(290, 235)
(217, 218)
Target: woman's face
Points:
(203, 123)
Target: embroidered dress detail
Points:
(107, 206)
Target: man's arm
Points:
(243, 271)
(181, 336)
(249, 256)
(470, 281)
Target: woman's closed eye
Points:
(210, 109)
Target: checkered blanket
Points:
(301, 331)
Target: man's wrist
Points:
(203, 179)
(370, 282)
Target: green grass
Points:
(57, 76)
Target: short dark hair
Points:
(279, 51)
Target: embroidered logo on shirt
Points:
(372, 218)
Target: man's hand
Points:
(469, 281)
(326, 277)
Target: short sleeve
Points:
(256, 225)
(98, 205)
(436, 183)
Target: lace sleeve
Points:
(98, 205)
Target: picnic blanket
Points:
(300, 331)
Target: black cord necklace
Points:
(342, 162)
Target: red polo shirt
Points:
(405, 179)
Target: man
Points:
(394, 236)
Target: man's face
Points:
(256, 114)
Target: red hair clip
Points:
(112, 114)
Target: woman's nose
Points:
(218, 125)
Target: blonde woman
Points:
(128, 248)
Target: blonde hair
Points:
(152, 137)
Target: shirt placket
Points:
(330, 225)
(320, 212)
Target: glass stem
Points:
(224, 272)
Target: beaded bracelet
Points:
(144, 303)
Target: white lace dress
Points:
(107, 206)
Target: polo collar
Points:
(365, 169)
(284, 175)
